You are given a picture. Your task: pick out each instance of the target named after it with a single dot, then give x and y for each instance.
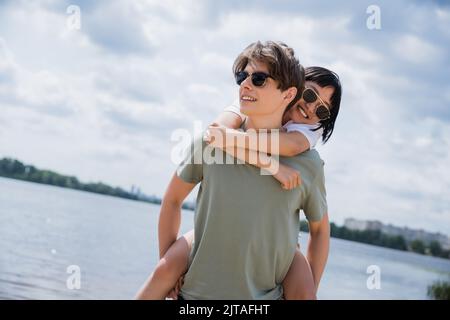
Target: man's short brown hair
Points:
(280, 59)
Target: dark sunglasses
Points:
(258, 78)
(322, 110)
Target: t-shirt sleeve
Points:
(234, 107)
(311, 136)
(190, 170)
(315, 205)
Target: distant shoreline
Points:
(380, 239)
(14, 169)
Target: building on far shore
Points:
(405, 232)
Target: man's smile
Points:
(247, 98)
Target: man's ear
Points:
(290, 94)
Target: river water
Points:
(47, 232)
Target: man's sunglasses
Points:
(258, 78)
(322, 110)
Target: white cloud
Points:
(443, 17)
(117, 28)
(416, 50)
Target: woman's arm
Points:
(288, 177)
(290, 143)
(229, 119)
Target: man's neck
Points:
(271, 121)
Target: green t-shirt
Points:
(246, 225)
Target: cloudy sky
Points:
(102, 102)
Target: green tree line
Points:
(378, 238)
(11, 168)
(15, 169)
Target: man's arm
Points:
(318, 247)
(170, 215)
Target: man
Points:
(246, 226)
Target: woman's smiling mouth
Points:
(303, 112)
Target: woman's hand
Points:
(288, 177)
(215, 136)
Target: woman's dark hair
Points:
(324, 78)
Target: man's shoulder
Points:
(308, 160)
(310, 155)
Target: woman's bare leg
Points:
(299, 282)
(168, 270)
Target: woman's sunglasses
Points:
(322, 110)
(258, 78)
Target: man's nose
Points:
(247, 83)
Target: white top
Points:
(290, 126)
